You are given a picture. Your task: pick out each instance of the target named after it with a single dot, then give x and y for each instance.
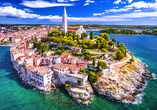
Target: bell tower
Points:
(64, 21)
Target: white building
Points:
(80, 30)
(66, 72)
(16, 39)
(64, 21)
(42, 75)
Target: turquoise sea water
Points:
(14, 95)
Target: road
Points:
(106, 71)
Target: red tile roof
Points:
(16, 37)
(73, 66)
(77, 47)
(65, 55)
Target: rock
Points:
(129, 98)
(82, 97)
(148, 75)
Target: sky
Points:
(107, 12)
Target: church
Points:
(65, 28)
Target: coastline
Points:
(134, 93)
(146, 69)
(6, 45)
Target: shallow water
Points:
(15, 95)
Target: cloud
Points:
(43, 4)
(86, 4)
(142, 4)
(88, 19)
(9, 11)
(153, 18)
(7, 4)
(73, 0)
(96, 14)
(135, 15)
(117, 2)
(28, 10)
(137, 10)
(67, 1)
(60, 0)
(129, 1)
(118, 10)
(88, 1)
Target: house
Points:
(31, 44)
(29, 70)
(72, 60)
(76, 30)
(56, 59)
(42, 76)
(66, 72)
(16, 39)
(77, 49)
(47, 53)
(49, 60)
(65, 56)
(36, 61)
(82, 63)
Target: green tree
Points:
(27, 43)
(77, 38)
(40, 52)
(118, 43)
(62, 48)
(132, 60)
(99, 74)
(32, 39)
(73, 37)
(104, 50)
(82, 70)
(103, 64)
(114, 40)
(79, 81)
(74, 53)
(59, 52)
(98, 44)
(98, 65)
(36, 40)
(120, 55)
(10, 38)
(92, 76)
(91, 35)
(93, 61)
(83, 35)
(90, 44)
(67, 84)
(110, 43)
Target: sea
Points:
(15, 95)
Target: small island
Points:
(80, 62)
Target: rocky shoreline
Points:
(82, 94)
(128, 89)
(125, 91)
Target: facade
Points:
(42, 76)
(77, 49)
(16, 39)
(77, 30)
(47, 53)
(64, 21)
(80, 30)
(65, 56)
(66, 72)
